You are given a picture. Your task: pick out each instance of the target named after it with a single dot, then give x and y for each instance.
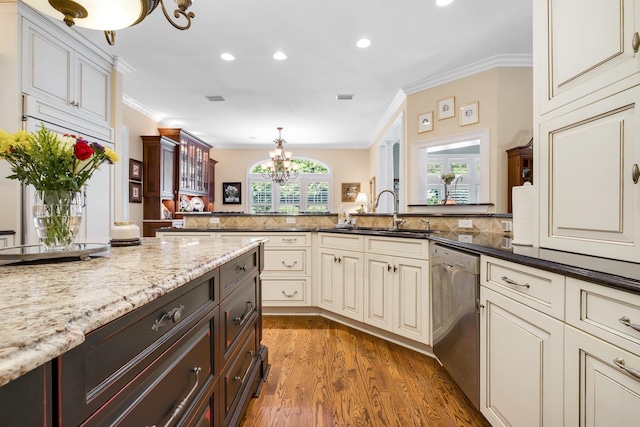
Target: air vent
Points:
(215, 98)
(344, 97)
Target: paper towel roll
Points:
(524, 208)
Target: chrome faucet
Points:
(396, 222)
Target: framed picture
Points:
(231, 193)
(469, 114)
(425, 122)
(446, 108)
(350, 191)
(135, 192)
(135, 170)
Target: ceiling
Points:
(412, 40)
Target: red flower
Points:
(82, 150)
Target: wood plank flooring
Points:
(327, 374)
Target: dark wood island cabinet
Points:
(192, 357)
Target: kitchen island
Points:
(181, 289)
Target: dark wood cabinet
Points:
(158, 181)
(27, 400)
(519, 167)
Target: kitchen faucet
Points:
(396, 221)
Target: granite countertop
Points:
(48, 308)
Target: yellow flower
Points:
(111, 155)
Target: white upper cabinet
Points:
(70, 80)
(584, 47)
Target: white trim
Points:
(513, 61)
(388, 114)
(127, 100)
(123, 67)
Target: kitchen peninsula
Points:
(169, 329)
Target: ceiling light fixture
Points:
(363, 43)
(227, 56)
(279, 56)
(109, 16)
(280, 168)
(443, 2)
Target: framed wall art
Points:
(425, 122)
(135, 170)
(446, 108)
(231, 193)
(135, 192)
(469, 114)
(350, 191)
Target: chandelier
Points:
(110, 15)
(280, 168)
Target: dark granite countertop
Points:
(609, 272)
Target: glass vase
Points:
(57, 216)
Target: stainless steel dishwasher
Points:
(455, 292)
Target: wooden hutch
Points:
(520, 167)
(178, 177)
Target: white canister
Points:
(125, 230)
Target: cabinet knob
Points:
(635, 42)
(635, 173)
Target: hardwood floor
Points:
(327, 374)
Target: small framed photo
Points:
(135, 192)
(350, 191)
(446, 108)
(231, 193)
(135, 170)
(469, 114)
(425, 122)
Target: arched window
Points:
(310, 192)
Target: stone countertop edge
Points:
(55, 329)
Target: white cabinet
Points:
(396, 288)
(587, 144)
(6, 240)
(66, 82)
(339, 274)
(602, 356)
(521, 344)
(588, 199)
(521, 364)
(584, 47)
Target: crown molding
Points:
(511, 61)
(127, 100)
(122, 66)
(388, 115)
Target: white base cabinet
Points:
(396, 293)
(521, 364)
(340, 284)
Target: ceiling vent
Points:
(215, 98)
(344, 97)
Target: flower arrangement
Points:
(52, 163)
(57, 167)
(448, 177)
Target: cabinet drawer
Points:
(283, 262)
(93, 373)
(238, 312)
(408, 248)
(178, 379)
(604, 312)
(284, 292)
(275, 240)
(236, 270)
(239, 373)
(341, 241)
(538, 289)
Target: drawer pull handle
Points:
(290, 240)
(245, 316)
(513, 282)
(619, 362)
(174, 315)
(635, 171)
(239, 269)
(289, 295)
(627, 322)
(244, 377)
(635, 42)
(183, 404)
(289, 265)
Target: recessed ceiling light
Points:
(344, 97)
(444, 2)
(362, 43)
(227, 56)
(279, 55)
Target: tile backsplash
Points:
(478, 223)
